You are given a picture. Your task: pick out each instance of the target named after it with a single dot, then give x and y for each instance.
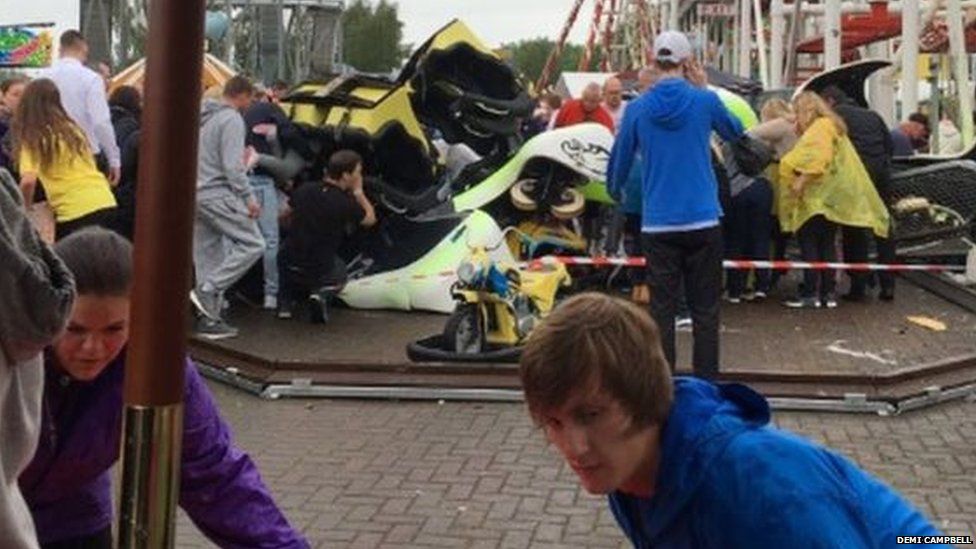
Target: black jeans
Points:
(296, 281)
(98, 540)
(695, 259)
(817, 239)
(749, 234)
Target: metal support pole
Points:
(777, 30)
(153, 393)
(761, 43)
(881, 85)
(832, 38)
(674, 10)
(960, 66)
(229, 39)
(745, 38)
(909, 57)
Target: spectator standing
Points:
(871, 139)
(83, 97)
(322, 216)
(587, 108)
(613, 99)
(11, 90)
(36, 292)
(828, 186)
(671, 126)
(125, 104)
(226, 238)
(51, 148)
(685, 462)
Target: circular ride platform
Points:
(861, 357)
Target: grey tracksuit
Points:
(36, 293)
(226, 242)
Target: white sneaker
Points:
(270, 302)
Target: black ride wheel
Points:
(463, 333)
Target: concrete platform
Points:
(866, 349)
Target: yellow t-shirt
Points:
(74, 186)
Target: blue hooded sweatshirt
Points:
(728, 480)
(671, 125)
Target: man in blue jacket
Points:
(687, 463)
(671, 126)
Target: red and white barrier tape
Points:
(754, 264)
(602, 261)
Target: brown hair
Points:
(593, 335)
(71, 39)
(42, 127)
(238, 85)
(809, 107)
(342, 162)
(8, 83)
(100, 260)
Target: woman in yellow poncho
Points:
(823, 185)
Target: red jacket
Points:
(572, 112)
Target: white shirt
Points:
(83, 97)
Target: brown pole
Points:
(164, 231)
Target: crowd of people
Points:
(684, 461)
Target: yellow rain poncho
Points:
(841, 189)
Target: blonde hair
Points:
(776, 108)
(809, 107)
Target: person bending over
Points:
(68, 484)
(322, 216)
(686, 462)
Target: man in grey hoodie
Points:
(36, 293)
(226, 238)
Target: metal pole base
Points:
(152, 440)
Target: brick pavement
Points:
(363, 474)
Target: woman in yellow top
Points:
(49, 146)
(823, 185)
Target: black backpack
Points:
(752, 155)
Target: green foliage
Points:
(529, 57)
(372, 35)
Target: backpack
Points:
(752, 155)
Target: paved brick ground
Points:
(415, 474)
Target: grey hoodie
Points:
(36, 293)
(221, 162)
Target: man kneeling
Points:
(685, 462)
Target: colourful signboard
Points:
(26, 46)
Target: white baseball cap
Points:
(672, 46)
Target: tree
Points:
(529, 57)
(371, 36)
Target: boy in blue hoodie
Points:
(687, 463)
(671, 126)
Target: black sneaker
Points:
(318, 308)
(208, 328)
(887, 294)
(284, 310)
(829, 301)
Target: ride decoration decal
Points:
(26, 46)
(590, 155)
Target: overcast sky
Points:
(495, 21)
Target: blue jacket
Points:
(728, 480)
(671, 126)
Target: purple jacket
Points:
(68, 483)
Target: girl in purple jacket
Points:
(68, 483)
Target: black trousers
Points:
(98, 540)
(693, 258)
(296, 281)
(102, 218)
(817, 238)
(857, 240)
